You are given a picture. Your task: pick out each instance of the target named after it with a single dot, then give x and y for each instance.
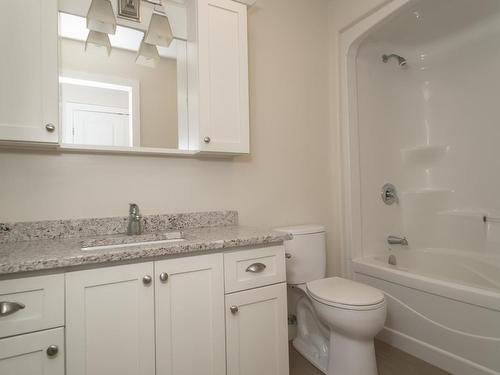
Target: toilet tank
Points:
(306, 253)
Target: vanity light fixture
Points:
(130, 10)
(101, 17)
(147, 55)
(159, 31)
(98, 40)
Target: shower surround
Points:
(420, 84)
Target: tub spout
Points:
(393, 240)
(392, 260)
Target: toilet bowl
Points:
(337, 318)
(354, 314)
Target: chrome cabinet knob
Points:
(163, 277)
(233, 309)
(8, 308)
(52, 350)
(50, 127)
(206, 139)
(256, 268)
(147, 280)
(288, 256)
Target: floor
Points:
(390, 361)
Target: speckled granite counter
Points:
(52, 254)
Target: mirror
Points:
(117, 91)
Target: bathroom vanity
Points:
(213, 302)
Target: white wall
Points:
(286, 180)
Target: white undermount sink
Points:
(130, 241)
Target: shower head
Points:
(401, 60)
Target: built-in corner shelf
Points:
(424, 156)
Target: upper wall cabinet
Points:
(29, 71)
(90, 76)
(218, 68)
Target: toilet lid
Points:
(344, 292)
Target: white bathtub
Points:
(443, 306)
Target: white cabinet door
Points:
(256, 330)
(110, 321)
(190, 337)
(27, 354)
(29, 71)
(222, 71)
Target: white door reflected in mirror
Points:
(99, 114)
(102, 126)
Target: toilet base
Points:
(308, 350)
(313, 337)
(351, 357)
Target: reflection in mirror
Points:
(126, 94)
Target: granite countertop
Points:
(57, 253)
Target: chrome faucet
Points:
(135, 225)
(393, 240)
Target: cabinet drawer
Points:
(30, 353)
(254, 268)
(31, 304)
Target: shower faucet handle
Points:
(389, 194)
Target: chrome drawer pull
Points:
(7, 308)
(256, 267)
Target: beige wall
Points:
(286, 179)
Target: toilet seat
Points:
(345, 294)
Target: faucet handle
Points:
(134, 209)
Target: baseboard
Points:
(433, 355)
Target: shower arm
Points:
(401, 60)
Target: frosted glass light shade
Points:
(101, 17)
(147, 55)
(98, 40)
(159, 32)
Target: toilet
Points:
(337, 318)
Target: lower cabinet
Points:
(110, 321)
(164, 317)
(256, 331)
(39, 353)
(171, 317)
(190, 337)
